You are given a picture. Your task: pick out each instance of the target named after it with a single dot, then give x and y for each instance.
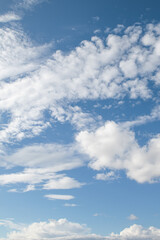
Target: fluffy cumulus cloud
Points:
(138, 232)
(113, 146)
(62, 229)
(119, 66)
(49, 230)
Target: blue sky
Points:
(79, 120)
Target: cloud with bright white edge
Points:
(62, 229)
(114, 147)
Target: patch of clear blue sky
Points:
(112, 201)
(72, 21)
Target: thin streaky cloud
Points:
(9, 17)
(59, 197)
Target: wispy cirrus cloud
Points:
(59, 197)
(58, 156)
(18, 55)
(9, 17)
(35, 179)
(42, 165)
(27, 4)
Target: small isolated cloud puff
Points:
(9, 17)
(132, 217)
(62, 183)
(113, 146)
(96, 18)
(70, 205)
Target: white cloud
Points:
(108, 176)
(27, 4)
(118, 29)
(132, 217)
(96, 18)
(8, 17)
(62, 229)
(43, 178)
(29, 188)
(114, 147)
(106, 146)
(97, 214)
(17, 55)
(138, 232)
(129, 68)
(56, 156)
(70, 205)
(10, 224)
(62, 182)
(41, 164)
(14, 190)
(97, 31)
(108, 69)
(28, 176)
(75, 115)
(51, 229)
(59, 197)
